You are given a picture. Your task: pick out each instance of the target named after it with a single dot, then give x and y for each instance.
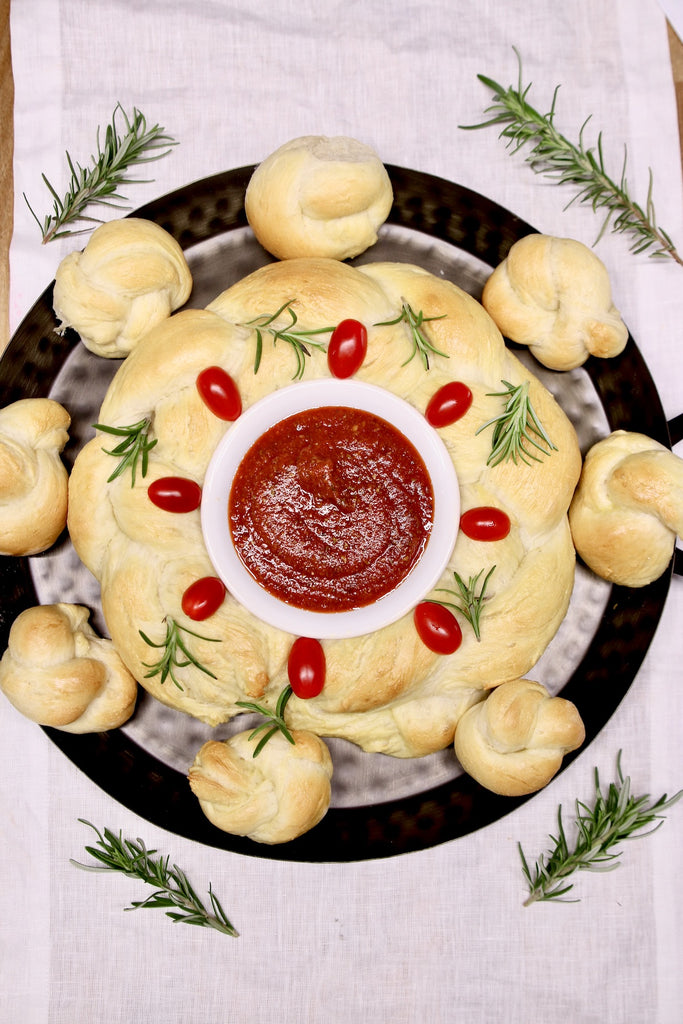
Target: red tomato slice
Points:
(306, 667)
(175, 494)
(219, 392)
(448, 404)
(485, 523)
(437, 627)
(347, 348)
(203, 597)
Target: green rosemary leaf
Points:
(261, 744)
(98, 184)
(171, 644)
(613, 817)
(421, 345)
(173, 888)
(574, 164)
(516, 427)
(134, 448)
(274, 720)
(285, 694)
(468, 602)
(300, 340)
(267, 724)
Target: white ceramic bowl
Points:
(246, 430)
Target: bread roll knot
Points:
(628, 508)
(58, 672)
(33, 479)
(131, 275)
(271, 798)
(554, 295)
(319, 196)
(514, 741)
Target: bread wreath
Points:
(385, 691)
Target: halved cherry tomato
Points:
(175, 494)
(347, 348)
(219, 392)
(306, 667)
(203, 597)
(485, 523)
(448, 404)
(437, 627)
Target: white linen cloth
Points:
(439, 935)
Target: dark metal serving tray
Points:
(381, 806)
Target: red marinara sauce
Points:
(331, 508)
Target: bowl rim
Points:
(252, 424)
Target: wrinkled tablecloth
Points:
(439, 935)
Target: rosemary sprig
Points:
(421, 343)
(173, 889)
(97, 185)
(274, 720)
(515, 425)
(134, 448)
(468, 602)
(614, 817)
(170, 661)
(575, 164)
(298, 339)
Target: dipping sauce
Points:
(330, 509)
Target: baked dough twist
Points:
(513, 742)
(131, 275)
(58, 672)
(628, 508)
(272, 798)
(385, 691)
(319, 196)
(33, 479)
(554, 295)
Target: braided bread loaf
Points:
(131, 275)
(554, 295)
(385, 691)
(33, 479)
(628, 508)
(58, 672)
(319, 196)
